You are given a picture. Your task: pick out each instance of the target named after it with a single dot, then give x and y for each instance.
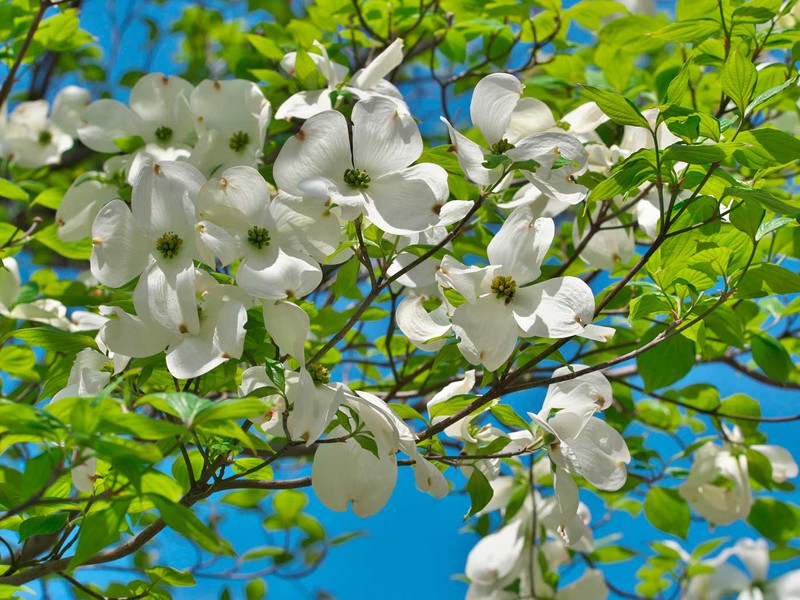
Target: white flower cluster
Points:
(32, 138)
(201, 239)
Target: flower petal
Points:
(120, 249)
(494, 99)
(287, 325)
(407, 201)
(419, 325)
(522, 243)
(486, 330)
(385, 139)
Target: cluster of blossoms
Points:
(182, 217)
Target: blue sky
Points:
(415, 545)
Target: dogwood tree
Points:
(513, 246)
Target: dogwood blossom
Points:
(374, 178)
(365, 83)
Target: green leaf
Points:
(170, 576)
(766, 279)
(766, 147)
(129, 144)
(10, 190)
(99, 529)
(700, 154)
(288, 504)
(19, 362)
(617, 107)
(53, 339)
(480, 492)
(775, 520)
(44, 524)
(771, 356)
(612, 554)
(738, 79)
(764, 198)
(231, 409)
(305, 71)
(667, 511)
(676, 351)
(772, 225)
(769, 94)
(509, 417)
(680, 84)
(184, 521)
(692, 30)
(80, 250)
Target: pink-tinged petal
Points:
(383, 64)
(273, 274)
(422, 328)
(471, 158)
(121, 248)
(287, 325)
(321, 149)
(522, 243)
(304, 105)
(345, 473)
(407, 201)
(486, 330)
(107, 120)
(557, 308)
(493, 101)
(385, 139)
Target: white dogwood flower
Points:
(31, 139)
(500, 307)
(236, 222)
(365, 83)
(232, 118)
(374, 177)
(155, 238)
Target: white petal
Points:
(231, 106)
(530, 116)
(407, 201)
(585, 118)
(591, 388)
(522, 243)
(106, 121)
(590, 586)
(470, 281)
(419, 325)
(120, 249)
(287, 325)
(239, 192)
(130, 336)
(79, 207)
(344, 472)
(783, 465)
(273, 274)
(167, 296)
(320, 149)
(493, 101)
(556, 308)
(602, 455)
(429, 479)
(494, 559)
(471, 158)
(68, 108)
(380, 67)
(163, 200)
(305, 104)
(755, 556)
(163, 101)
(385, 139)
(566, 491)
(487, 331)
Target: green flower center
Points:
(169, 244)
(239, 141)
(563, 125)
(258, 236)
(45, 137)
(502, 146)
(357, 178)
(503, 286)
(163, 134)
(319, 374)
